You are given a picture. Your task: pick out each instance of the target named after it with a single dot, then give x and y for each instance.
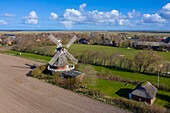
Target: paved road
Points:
(22, 94)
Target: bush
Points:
(56, 74)
(38, 71)
(94, 92)
(138, 107)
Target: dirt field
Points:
(22, 94)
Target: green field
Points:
(113, 88)
(134, 75)
(108, 50)
(129, 53)
(117, 89)
(39, 58)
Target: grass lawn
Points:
(134, 76)
(117, 89)
(113, 89)
(129, 53)
(39, 58)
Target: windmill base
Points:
(66, 68)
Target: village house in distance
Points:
(145, 92)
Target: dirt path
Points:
(22, 94)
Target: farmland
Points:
(42, 53)
(23, 94)
(124, 74)
(129, 53)
(109, 87)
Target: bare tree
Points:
(144, 59)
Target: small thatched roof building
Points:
(145, 91)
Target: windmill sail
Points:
(71, 57)
(71, 42)
(55, 40)
(55, 57)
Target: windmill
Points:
(59, 61)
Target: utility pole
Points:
(158, 80)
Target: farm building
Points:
(73, 73)
(107, 42)
(38, 40)
(145, 92)
(150, 45)
(83, 41)
(9, 40)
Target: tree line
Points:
(145, 61)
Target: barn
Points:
(145, 92)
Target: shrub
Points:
(56, 74)
(37, 72)
(138, 107)
(94, 92)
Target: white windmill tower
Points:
(59, 61)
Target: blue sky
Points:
(85, 14)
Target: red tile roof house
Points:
(145, 92)
(38, 40)
(9, 42)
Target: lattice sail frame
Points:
(60, 58)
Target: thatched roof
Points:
(146, 90)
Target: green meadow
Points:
(129, 53)
(117, 89)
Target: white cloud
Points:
(9, 15)
(166, 7)
(3, 22)
(31, 18)
(31, 21)
(81, 7)
(134, 14)
(102, 17)
(165, 11)
(154, 18)
(73, 16)
(53, 16)
(32, 14)
(123, 22)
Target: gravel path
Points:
(22, 94)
